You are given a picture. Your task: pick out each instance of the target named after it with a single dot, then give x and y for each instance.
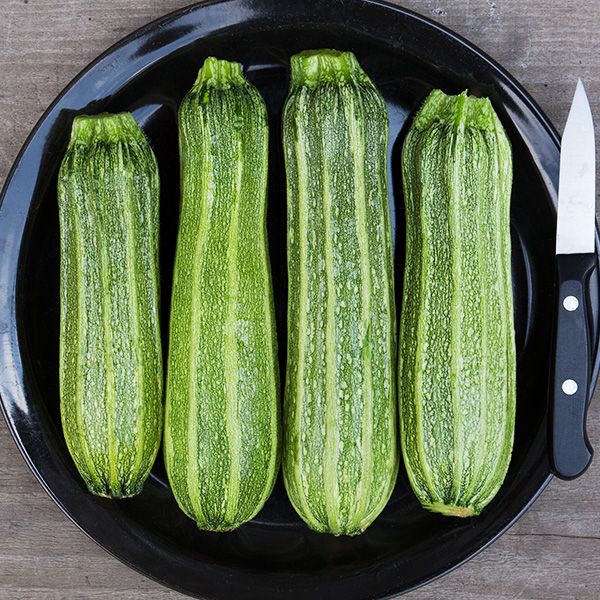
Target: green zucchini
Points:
(110, 352)
(340, 435)
(457, 349)
(222, 409)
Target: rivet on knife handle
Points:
(571, 452)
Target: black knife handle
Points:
(571, 452)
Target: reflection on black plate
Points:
(275, 555)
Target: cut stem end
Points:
(316, 67)
(219, 73)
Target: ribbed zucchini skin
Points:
(457, 350)
(340, 432)
(222, 410)
(110, 352)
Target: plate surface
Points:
(148, 73)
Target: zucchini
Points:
(340, 435)
(110, 350)
(457, 348)
(222, 408)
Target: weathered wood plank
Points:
(553, 553)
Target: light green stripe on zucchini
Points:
(340, 447)
(222, 408)
(356, 138)
(110, 352)
(231, 353)
(457, 354)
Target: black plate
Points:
(275, 555)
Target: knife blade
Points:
(577, 181)
(571, 451)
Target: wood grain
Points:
(553, 553)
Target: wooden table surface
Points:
(552, 553)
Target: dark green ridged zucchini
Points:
(222, 410)
(457, 350)
(110, 352)
(340, 446)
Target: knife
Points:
(571, 452)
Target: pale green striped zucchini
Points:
(110, 352)
(457, 350)
(222, 409)
(340, 446)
